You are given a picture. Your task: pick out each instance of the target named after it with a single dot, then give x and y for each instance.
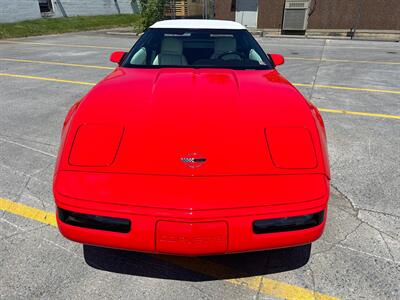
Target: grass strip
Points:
(62, 25)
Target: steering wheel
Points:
(231, 53)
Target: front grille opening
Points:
(94, 222)
(288, 224)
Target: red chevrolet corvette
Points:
(193, 145)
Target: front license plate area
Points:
(202, 238)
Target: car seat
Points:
(171, 53)
(224, 45)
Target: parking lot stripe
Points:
(56, 63)
(111, 68)
(339, 111)
(28, 212)
(358, 113)
(344, 60)
(63, 45)
(264, 285)
(342, 47)
(347, 88)
(321, 86)
(47, 79)
(127, 49)
(363, 47)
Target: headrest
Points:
(171, 46)
(225, 44)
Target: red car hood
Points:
(168, 114)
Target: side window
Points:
(253, 55)
(139, 58)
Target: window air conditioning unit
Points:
(296, 14)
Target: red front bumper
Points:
(226, 228)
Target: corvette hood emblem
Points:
(193, 160)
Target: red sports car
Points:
(193, 145)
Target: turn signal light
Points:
(288, 224)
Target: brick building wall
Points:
(364, 14)
(328, 14)
(270, 13)
(224, 10)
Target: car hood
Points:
(165, 115)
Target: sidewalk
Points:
(343, 34)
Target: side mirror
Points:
(117, 56)
(277, 59)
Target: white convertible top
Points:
(198, 24)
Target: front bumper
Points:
(191, 231)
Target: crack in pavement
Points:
(358, 210)
(48, 165)
(61, 247)
(27, 147)
(377, 229)
(29, 140)
(345, 197)
(337, 242)
(23, 232)
(387, 247)
(19, 196)
(368, 254)
(313, 281)
(380, 212)
(340, 244)
(259, 288)
(206, 295)
(23, 174)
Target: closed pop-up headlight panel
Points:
(291, 147)
(95, 145)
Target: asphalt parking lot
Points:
(356, 85)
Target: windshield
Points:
(197, 48)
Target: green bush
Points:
(151, 12)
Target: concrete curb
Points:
(339, 34)
(367, 35)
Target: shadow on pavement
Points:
(197, 268)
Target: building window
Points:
(46, 7)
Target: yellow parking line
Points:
(344, 60)
(111, 68)
(265, 285)
(268, 286)
(47, 79)
(63, 45)
(289, 57)
(321, 86)
(56, 63)
(28, 212)
(347, 88)
(127, 49)
(347, 112)
(358, 113)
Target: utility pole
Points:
(353, 31)
(205, 14)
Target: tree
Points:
(151, 12)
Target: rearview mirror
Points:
(117, 56)
(277, 59)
